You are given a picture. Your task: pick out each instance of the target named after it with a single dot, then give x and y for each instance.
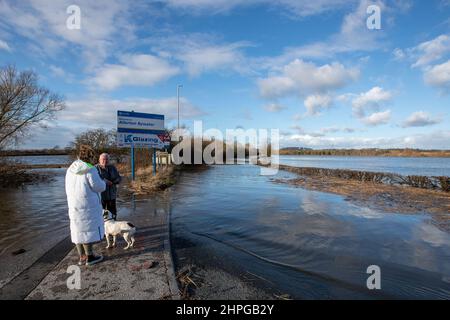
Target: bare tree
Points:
(23, 104)
(99, 140)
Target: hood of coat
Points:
(80, 167)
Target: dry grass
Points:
(388, 198)
(423, 182)
(147, 183)
(188, 281)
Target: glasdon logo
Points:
(141, 139)
(129, 138)
(136, 139)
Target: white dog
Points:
(114, 228)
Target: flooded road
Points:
(308, 244)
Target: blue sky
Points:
(311, 69)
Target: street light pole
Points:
(178, 98)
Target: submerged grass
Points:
(13, 175)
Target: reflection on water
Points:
(425, 166)
(302, 235)
(310, 244)
(30, 210)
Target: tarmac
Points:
(145, 272)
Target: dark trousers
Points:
(110, 205)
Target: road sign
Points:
(141, 130)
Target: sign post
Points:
(136, 129)
(132, 163)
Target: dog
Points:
(114, 228)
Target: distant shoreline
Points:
(407, 153)
(33, 153)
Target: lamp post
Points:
(178, 99)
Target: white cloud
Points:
(428, 57)
(103, 112)
(105, 27)
(434, 140)
(58, 72)
(210, 58)
(439, 76)
(316, 103)
(135, 70)
(301, 78)
(274, 107)
(4, 46)
(82, 115)
(420, 119)
(431, 51)
(370, 100)
(353, 36)
(202, 52)
(378, 118)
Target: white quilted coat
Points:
(83, 188)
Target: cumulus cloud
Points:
(301, 78)
(439, 76)
(105, 25)
(103, 112)
(434, 140)
(316, 103)
(378, 118)
(370, 100)
(135, 70)
(420, 119)
(431, 51)
(208, 58)
(353, 36)
(430, 57)
(202, 52)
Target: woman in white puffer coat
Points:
(83, 188)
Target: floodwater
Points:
(424, 166)
(61, 159)
(309, 244)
